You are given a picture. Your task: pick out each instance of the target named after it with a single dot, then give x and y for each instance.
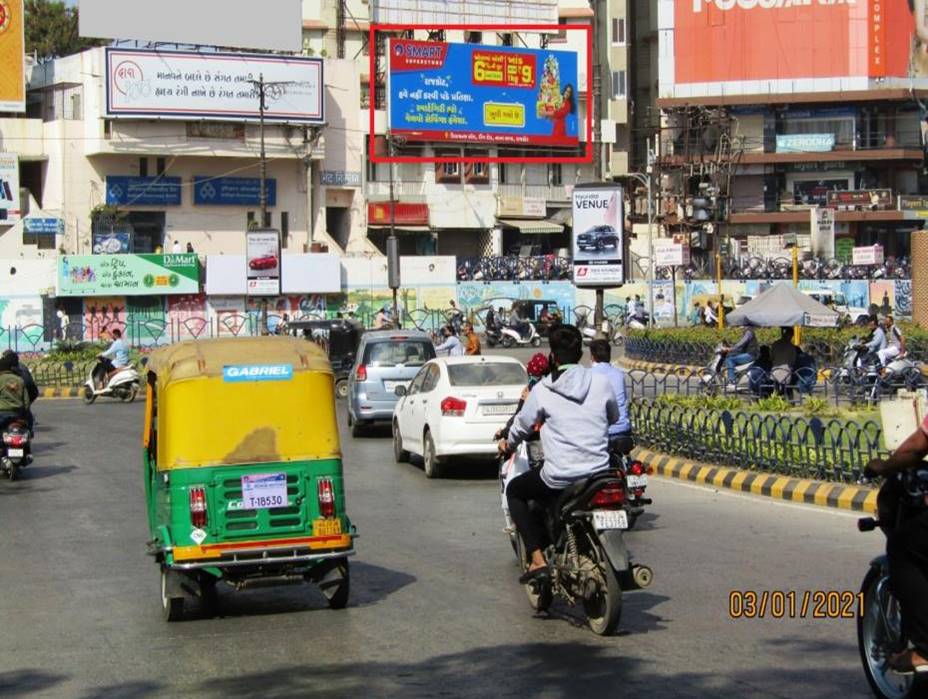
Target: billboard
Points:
(188, 85)
(728, 47)
(444, 12)
(10, 209)
(598, 236)
(275, 25)
(482, 94)
(262, 262)
(12, 57)
(128, 275)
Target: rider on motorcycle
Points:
(907, 550)
(14, 398)
(32, 390)
(877, 341)
(620, 432)
(895, 342)
(575, 407)
(743, 351)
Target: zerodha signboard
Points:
(598, 236)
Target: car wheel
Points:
(400, 455)
(341, 389)
(357, 429)
(599, 246)
(431, 463)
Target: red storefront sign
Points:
(378, 213)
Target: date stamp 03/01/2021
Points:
(792, 604)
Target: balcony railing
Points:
(549, 192)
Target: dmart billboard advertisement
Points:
(482, 94)
(128, 275)
(726, 47)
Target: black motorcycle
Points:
(15, 451)
(588, 560)
(879, 624)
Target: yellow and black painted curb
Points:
(59, 392)
(838, 495)
(675, 369)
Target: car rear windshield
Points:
(487, 374)
(396, 352)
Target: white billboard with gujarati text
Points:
(144, 84)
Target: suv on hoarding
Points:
(598, 237)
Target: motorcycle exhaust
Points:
(642, 575)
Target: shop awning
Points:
(563, 216)
(402, 228)
(527, 227)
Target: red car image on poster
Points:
(263, 263)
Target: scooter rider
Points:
(907, 550)
(575, 408)
(32, 390)
(14, 398)
(877, 341)
(742, 352)
(895, 342)
(119, 351)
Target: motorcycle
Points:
(15, 453)
(493, 335)
(124, 385)
(588, 560)
(510, 337)
(636, 482)
(879, 624)
(863, 372)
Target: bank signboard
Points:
(598, 236)
(128, 275)
(476, 93)
(142, 191)
(190, 85)
(233, 191)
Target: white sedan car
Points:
(454, 406)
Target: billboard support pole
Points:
(598, 313)
(392, 247)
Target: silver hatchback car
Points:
(385, 359)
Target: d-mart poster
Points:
(482, 94)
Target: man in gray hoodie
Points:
(573, 407)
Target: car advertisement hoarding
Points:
(10, 210)
(728, 47)
(262, 262)
(473, 93)
(12, 57)
(598, 236)
(128, 275)
(189, 85)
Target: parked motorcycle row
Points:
(768, 269)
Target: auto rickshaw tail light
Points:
(326, 497)
(198, 507)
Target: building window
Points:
(365, 94)
(618, 30)
(502, 173)
(477, 173)
(618, 84)
(267, 219)
(554, 174)
(143, 167)
(448, 173)
(371, 165)
(284, 228)
(473, 37)
(250, 221)
(505, 39)
(160, 166)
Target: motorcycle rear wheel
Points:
(872, 636)
(603, 607)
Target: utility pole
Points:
(597, 78)
(276, 89)
(393, 257)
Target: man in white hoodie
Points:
(575, 407)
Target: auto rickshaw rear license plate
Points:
(326, 527)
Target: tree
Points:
(51, 30)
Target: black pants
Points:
(520, 491)
(104, 367)
(907, 549)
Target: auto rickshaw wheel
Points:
(172, 608)
(341, 389)
(336, 589)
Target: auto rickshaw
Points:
(339, 338)
(243, 469)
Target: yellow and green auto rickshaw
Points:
(243, 469)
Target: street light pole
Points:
(646, 181)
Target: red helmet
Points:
(537, 366)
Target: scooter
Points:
(493, 335)
(510, 337)
(123, 385)
(714, 376)
(862, 371)
(15, 452)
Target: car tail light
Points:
(609, 496)
(14, 440)
(453, 407)
(326, 496)
(198, 507)
(361, 373)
